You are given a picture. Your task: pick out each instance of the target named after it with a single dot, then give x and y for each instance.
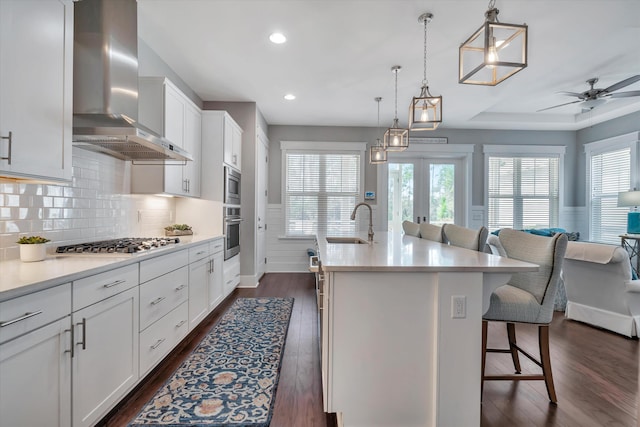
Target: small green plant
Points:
(32, 240)
(181, 227)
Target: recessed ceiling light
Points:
(289, 97)
(277, 38)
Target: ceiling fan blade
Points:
(622, 83)
(625, 94)
(579, 95)
(556, 106)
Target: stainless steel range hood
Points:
(105, 84)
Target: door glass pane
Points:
(400, 195)
(441, 193)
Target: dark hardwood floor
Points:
(595, 372)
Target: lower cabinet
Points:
(216, 278)
(105, 363)
(35, 378)
(231, 274)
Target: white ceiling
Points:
(339, 55)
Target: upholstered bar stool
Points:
(431, 232)
(526, 298)
(411, 228)
(463, 237)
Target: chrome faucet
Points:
(353, 217)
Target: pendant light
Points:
(395, 138)
(378, 154)
(425, 112)
(495, 52)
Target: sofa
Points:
(599, 286)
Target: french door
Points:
(424, 190)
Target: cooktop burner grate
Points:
(123, 246)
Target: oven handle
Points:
(233, 221)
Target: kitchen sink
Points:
(347, 240)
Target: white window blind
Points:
(610, 174)
(523, 192)
(321, 192)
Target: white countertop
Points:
(398, 252)
(19, 278)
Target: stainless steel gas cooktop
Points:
(129, 245)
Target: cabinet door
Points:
(36, 62)
(199, 272)
(193, 144)
(236, 143)
(35, 378)
(105, 364)
(174, 116)
(216, 281)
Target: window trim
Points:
(496, 150)
(316, 147)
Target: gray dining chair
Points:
(463, 237)
(411, 228)
(431, 232)
(527, 297)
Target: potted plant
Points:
(32, 248)
(178, 230)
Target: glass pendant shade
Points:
(495, 52)
(425, 112)
(377, 154)
(396, 139)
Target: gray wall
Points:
(455, 136)
(620, 126)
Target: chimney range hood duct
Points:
(105, 84)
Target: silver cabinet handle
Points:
(157, 344)
(84, 333)
(235, 159)
(201, 252)
(18, 319)
(10, 138)
(72, 340)
(179, 288)
(182, 322)
(112, 284)
(157, 300)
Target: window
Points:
(523, 189)
(321, 189)
(611, 168)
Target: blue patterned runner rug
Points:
(231, 377)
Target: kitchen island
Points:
(401, 329)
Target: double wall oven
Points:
(231, 215)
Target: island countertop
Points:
(397, 252)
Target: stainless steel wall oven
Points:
(232, 220)
(231, 186)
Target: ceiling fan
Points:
(593, 97)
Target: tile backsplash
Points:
(96, 205)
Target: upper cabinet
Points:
(166, 110)
(221, 144)
(36, 83)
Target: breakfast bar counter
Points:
(401, 329)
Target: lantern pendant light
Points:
(425, 112)
(395, 138)
(495, 52)
(377, 153)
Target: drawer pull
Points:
(229, 281)
(112, 284)
(157, 300)
(157, 344)
(217, 247)
(237, 275)
(181, 287)
(182, 322)
(201, 252)
(18, 319)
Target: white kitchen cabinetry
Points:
(200, 269)
(35, 365)
(231, 270)
(166, 110)
(164, 293)
(36, 81)
(105, 323)
(216, 278)
(220, 133)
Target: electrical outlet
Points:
(458, 306)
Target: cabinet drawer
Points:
(95, 288)
(162, 294)
(216, 246)
(231, 274)
(161, 337)
(158, 266)
(26, 313)
(198, 252)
